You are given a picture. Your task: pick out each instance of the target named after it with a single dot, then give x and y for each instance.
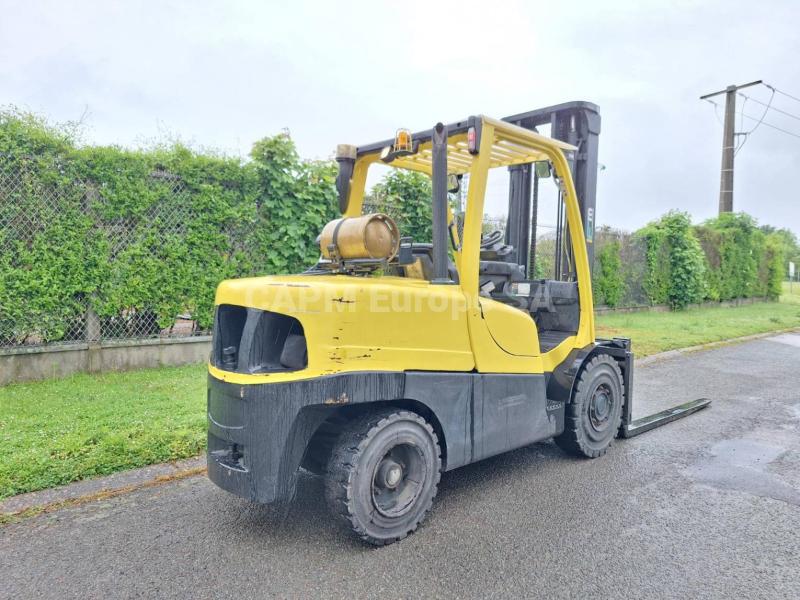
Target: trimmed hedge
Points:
(725, 258)
(675, 266)
(152, 232)
(609, 279)
(144, 232)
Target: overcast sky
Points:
(224, 74)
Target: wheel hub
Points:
(600, 407)
(398, 480)
(390, 473)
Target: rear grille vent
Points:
(248, 340)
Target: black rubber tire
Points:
(584, 433)
(353, 468)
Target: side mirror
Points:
(454, 183)
(543, 169)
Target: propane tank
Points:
(373, 236)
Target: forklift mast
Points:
(577, 123)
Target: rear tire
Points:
(593, 418)
(383, 475)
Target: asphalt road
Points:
(706, 507)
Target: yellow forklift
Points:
(392, 360)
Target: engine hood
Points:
(361, 323)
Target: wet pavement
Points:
(705, 507)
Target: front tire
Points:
(594, 416)
(383, 475)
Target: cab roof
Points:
(512, 145)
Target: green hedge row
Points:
(725, 258)
(152, 232)
(143, 232)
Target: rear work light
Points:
(472, 140)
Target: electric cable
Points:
(760, 121)
(775, 108)
(783, 93)
(764, 123)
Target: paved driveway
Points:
(704, 507)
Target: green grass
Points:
(58, 431)
(791, 292)
(654, 332)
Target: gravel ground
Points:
(706, 507)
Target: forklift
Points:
(393, 360)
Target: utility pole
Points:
(728, 144)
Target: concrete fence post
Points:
(93, 336)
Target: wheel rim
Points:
(601, 407)
(398, 480)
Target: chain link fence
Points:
(46, 305)
(633, 257)
(28, 210)
(51, 304)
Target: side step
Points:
(630, 429)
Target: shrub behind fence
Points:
(78, 265)
(107, 244)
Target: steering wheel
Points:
(488, 240)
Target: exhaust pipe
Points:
(346, 157)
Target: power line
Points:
(783, 112)
(741, 120)
(740, 138)
(716, 114)
(757, 119)
(783, 93)
(760, 121)
(773, 126)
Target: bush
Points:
(676, 269)
(609, 284)
(734, 247)
(624, 266)
(147, 231)
(295, 199)
(406, 196)
(149, 234)
(789, 246)
(772, 267)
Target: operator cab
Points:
(499, 265)
(505, 273)
(552, 304)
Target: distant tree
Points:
(788, 240)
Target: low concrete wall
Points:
(28, 364)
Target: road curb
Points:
(710, 345)
(33, 503)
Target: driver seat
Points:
(422, 267)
